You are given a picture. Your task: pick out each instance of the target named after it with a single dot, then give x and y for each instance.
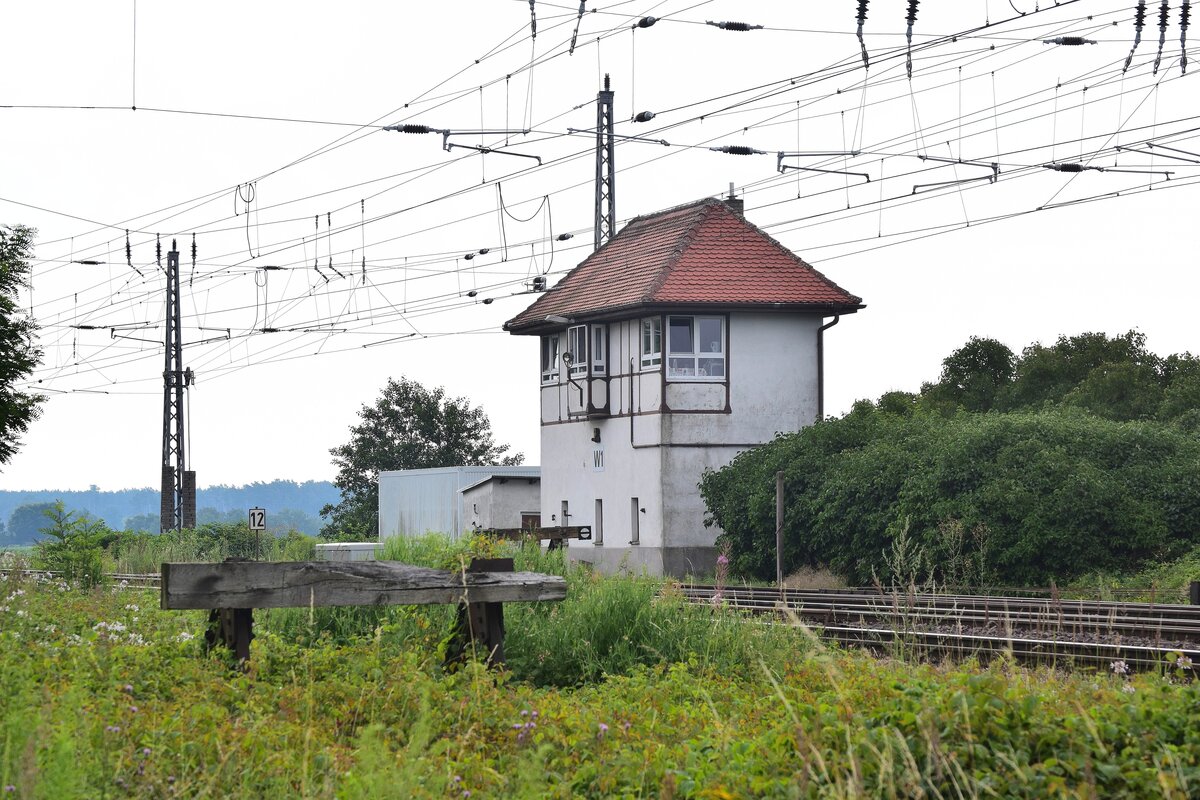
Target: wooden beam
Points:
(297, 584)
(581, 532)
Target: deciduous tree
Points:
(18, 353)
(408, 427)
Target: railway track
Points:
(130, 580)
(1037, 630)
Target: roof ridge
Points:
(707, 200)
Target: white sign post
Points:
(258, 524)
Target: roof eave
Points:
(630, 311)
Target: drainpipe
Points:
(821, 365)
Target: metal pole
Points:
(174, 457)
(606, 170)
(779, 529)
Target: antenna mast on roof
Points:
(606, 171)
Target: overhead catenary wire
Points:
(889, 171)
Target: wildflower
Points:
(722, 559)
(1120, 668)
(10, 788)
(627, 725)
(127, 688)
(603, 729)
(1183, 662)
(131, 607)
(22, 612)
(112, 728)
(145, 751)
(1128, 688)
(184, 636)
(133, 709)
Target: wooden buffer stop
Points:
(233, 589)
(556, 536)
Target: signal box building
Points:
(688, 337)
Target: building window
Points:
(696, 348)
(635, 521)
(651, 342)
(577, 346)
(599, 363)
(566, 514)
(598, 524)
(549, 359)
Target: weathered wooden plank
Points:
(296, 584)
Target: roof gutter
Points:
(821, 365)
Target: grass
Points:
(105, 696)
(1164, 582)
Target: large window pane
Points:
(681, 339)
(711, 337)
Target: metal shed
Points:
(417, 501)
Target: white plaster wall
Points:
(567, 474)
(695, 396)
(773, 373)
(499, 504)
(477, 506)
(772, 367)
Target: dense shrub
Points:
(74, 545)
(1021, 497)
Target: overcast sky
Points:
(280, 161)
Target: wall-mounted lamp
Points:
(642, 510)
(596, 435)
(559, 320)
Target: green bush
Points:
(1016, 498)
(74, 547)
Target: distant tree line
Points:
(1068, 458)
(290, 506)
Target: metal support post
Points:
(606, 170)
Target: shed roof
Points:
(700, 254)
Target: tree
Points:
(26, 521)
(1047, 374)
(409, 427)
(18, 354)
(973, 375)
(74, 545)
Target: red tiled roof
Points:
(699, 254)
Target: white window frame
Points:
(550, 353)
(599, 335)
(701, 355)
(577, 346)
(650, 329)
